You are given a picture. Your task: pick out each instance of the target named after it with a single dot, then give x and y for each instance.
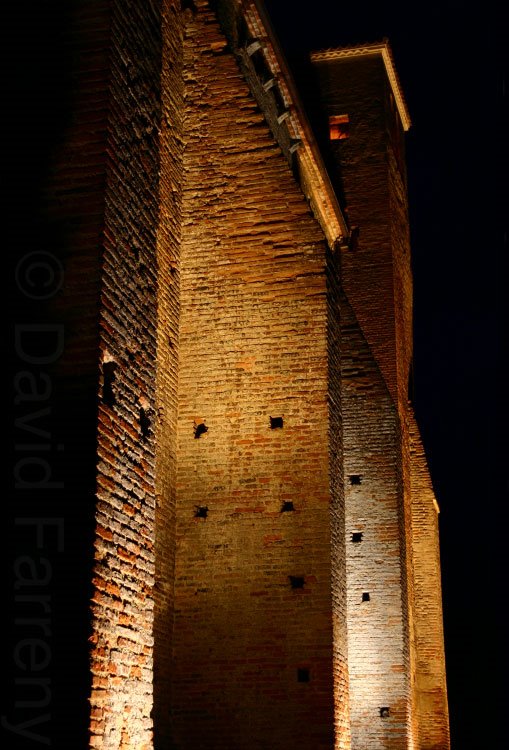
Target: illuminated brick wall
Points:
(430, 683)
(378, 657)
(338, 510)
(131, 609)
(253, 602)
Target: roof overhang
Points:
(317, 182)
(377, 48)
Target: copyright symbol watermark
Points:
(39, 275)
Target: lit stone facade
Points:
(266, 569)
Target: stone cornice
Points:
(377, 48)
(316, 182)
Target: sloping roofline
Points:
(376, 48)
(318, 185)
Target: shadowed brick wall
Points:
(168, 265)
(70, 225)
(376, 276)
(338, 507)
(431, 689)
(253, 641)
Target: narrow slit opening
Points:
(108, 380)
(297, 582)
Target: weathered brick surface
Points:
(431, 689)
(407, 566)
(338, 506)
(400, 242)
(253, 345)
(137, 410)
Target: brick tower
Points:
(397, 691)
(253, 500)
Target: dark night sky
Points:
(448, 58)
